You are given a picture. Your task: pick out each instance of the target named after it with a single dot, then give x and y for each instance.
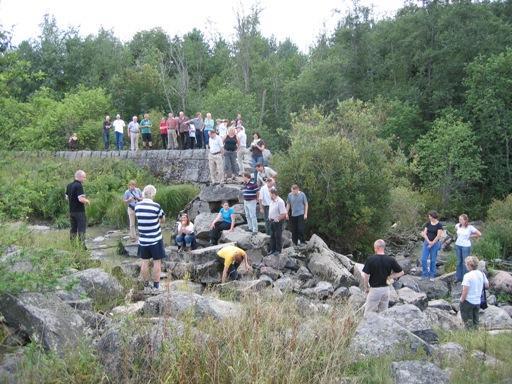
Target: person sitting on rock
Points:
(376, 271)
(224, 220)
(185, 235)
(229, 259)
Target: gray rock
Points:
(448, 352)
(408, 296)
(418, 372)
(393, 297)
(357, 298)
(178, 303)
(304, 274)
(239, 288)
(185, 286)
(377, 336)
(501, 282)
(128, 309)
(44, 318)
(436, 289)
(411, 318)
(321, 291)
(439, 318)
(200, 255)
(207, 273)
(485, 358)
(279, 262)
(410, 282)
(270, 272)
(440, 304)
(130, 250)
(216, 193)
(326, 266)
(180, 270)
(286, 284)
(341, 293)
(244, 239)
(495, 318)
(129, 268)
(9, 367)
(197, 207)
(508, 309)
(95, 283)
(202, 225)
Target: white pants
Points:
(134, 141)
(216, 165)
(377, 300)
(241, 155)
(131, 218)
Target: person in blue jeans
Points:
(185, 235)
(432, 234)
(463, 244)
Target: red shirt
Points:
(163, 127)
(172, 123)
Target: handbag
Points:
(483, 296)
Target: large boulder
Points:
(94, 283)
(411, 318)
(217, 194)
(448, 352)
(502, 282)
(245, 239)
(321, 291)
(378, 336)
(436, 289)
(44, 318)
(326, 266)
(418, 372)
(10, 364)
(207, 273)
(200, 255)
(408, 296)
(440, 304)
(178, 303)
(202, 224)
(197, 207)
(409, 282)
(495, 318)
(185, 286)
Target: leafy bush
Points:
(407, 209)
(174, 198)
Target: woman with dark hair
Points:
(225, 219)
(463, 244)
(432, 234)
(185, 235)
(257, 148)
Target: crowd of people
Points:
(259, 188)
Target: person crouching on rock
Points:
(185, 236)
(151, 245)
(229, 259)
(376, 271)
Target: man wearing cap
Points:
(216, 158)
(276, 216)
(242, 148)
(119, 125)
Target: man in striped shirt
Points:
(250, 192)
(151, 245)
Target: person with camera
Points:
(131, 197)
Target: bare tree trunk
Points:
(263, 96)
(163, 83)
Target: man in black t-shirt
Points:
(77, 200)
(376, 271)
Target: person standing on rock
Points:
(432, 234)
(131, 197)
(241, 154)
(262, 173)
(229, 259)
(472, 285)
(107, 125)
(172, 131)
(250, 192)
(215, 158)
(76, 197)
(182, 130)
(225, 219)
(133, 132)
(463, 244)
(145, 129)
(150, 216)
(119, 125)
(276, 216)
(297, 202)
(265, 200)
(376, 271)
(164, 132)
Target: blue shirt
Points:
(136, 194)
(226, 214)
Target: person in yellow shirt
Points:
(229, 259)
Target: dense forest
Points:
(379, 121)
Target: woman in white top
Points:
(463, 244)
(472, 285)
(185, 235)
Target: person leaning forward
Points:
(75, 195)
(229, 259)
(376, 271)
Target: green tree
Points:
(447, 161)
(489, 107)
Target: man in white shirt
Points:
(216, 158)
(265, 201)
(133, 132)
(263, 173)
(119, 125)
(242, 148)
(276, 216)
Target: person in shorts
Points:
(150, 216)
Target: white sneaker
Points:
(432, 279)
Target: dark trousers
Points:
(267, 223)
(183, 140)
(276, 236)
(232, 271)
(199, 139)
(469, 314)
(106, 139)
(217, 231)
(297, 228)
(191, 142)
(164, 140)
(78, 224)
